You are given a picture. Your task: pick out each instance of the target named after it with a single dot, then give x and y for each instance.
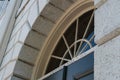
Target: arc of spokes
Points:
(86, 44)
(85, 31)
(70, 53)
(72, 46)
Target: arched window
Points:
(76, 40)
(71, 37)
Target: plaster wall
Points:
(107, 36)
(107, 20)
(107, 60)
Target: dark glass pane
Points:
(60, 48)
(53, 64)
(70, 34)
(83, 22)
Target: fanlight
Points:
(78, 38)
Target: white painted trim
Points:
(69, 63)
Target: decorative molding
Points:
(100, 3)
(109, 36)
(72, 13)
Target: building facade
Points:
(59, 40)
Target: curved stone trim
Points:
(60, 26)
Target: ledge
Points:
(109, 36)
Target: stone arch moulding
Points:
(60, 24)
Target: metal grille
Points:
(77, 39)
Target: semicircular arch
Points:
(63, 21)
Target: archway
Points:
(72, 13)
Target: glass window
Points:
(77, 39)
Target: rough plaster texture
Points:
(107, 60)
(96, 1)
(27, 56)
(33, 14)
(107, 31)
(107, 19)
